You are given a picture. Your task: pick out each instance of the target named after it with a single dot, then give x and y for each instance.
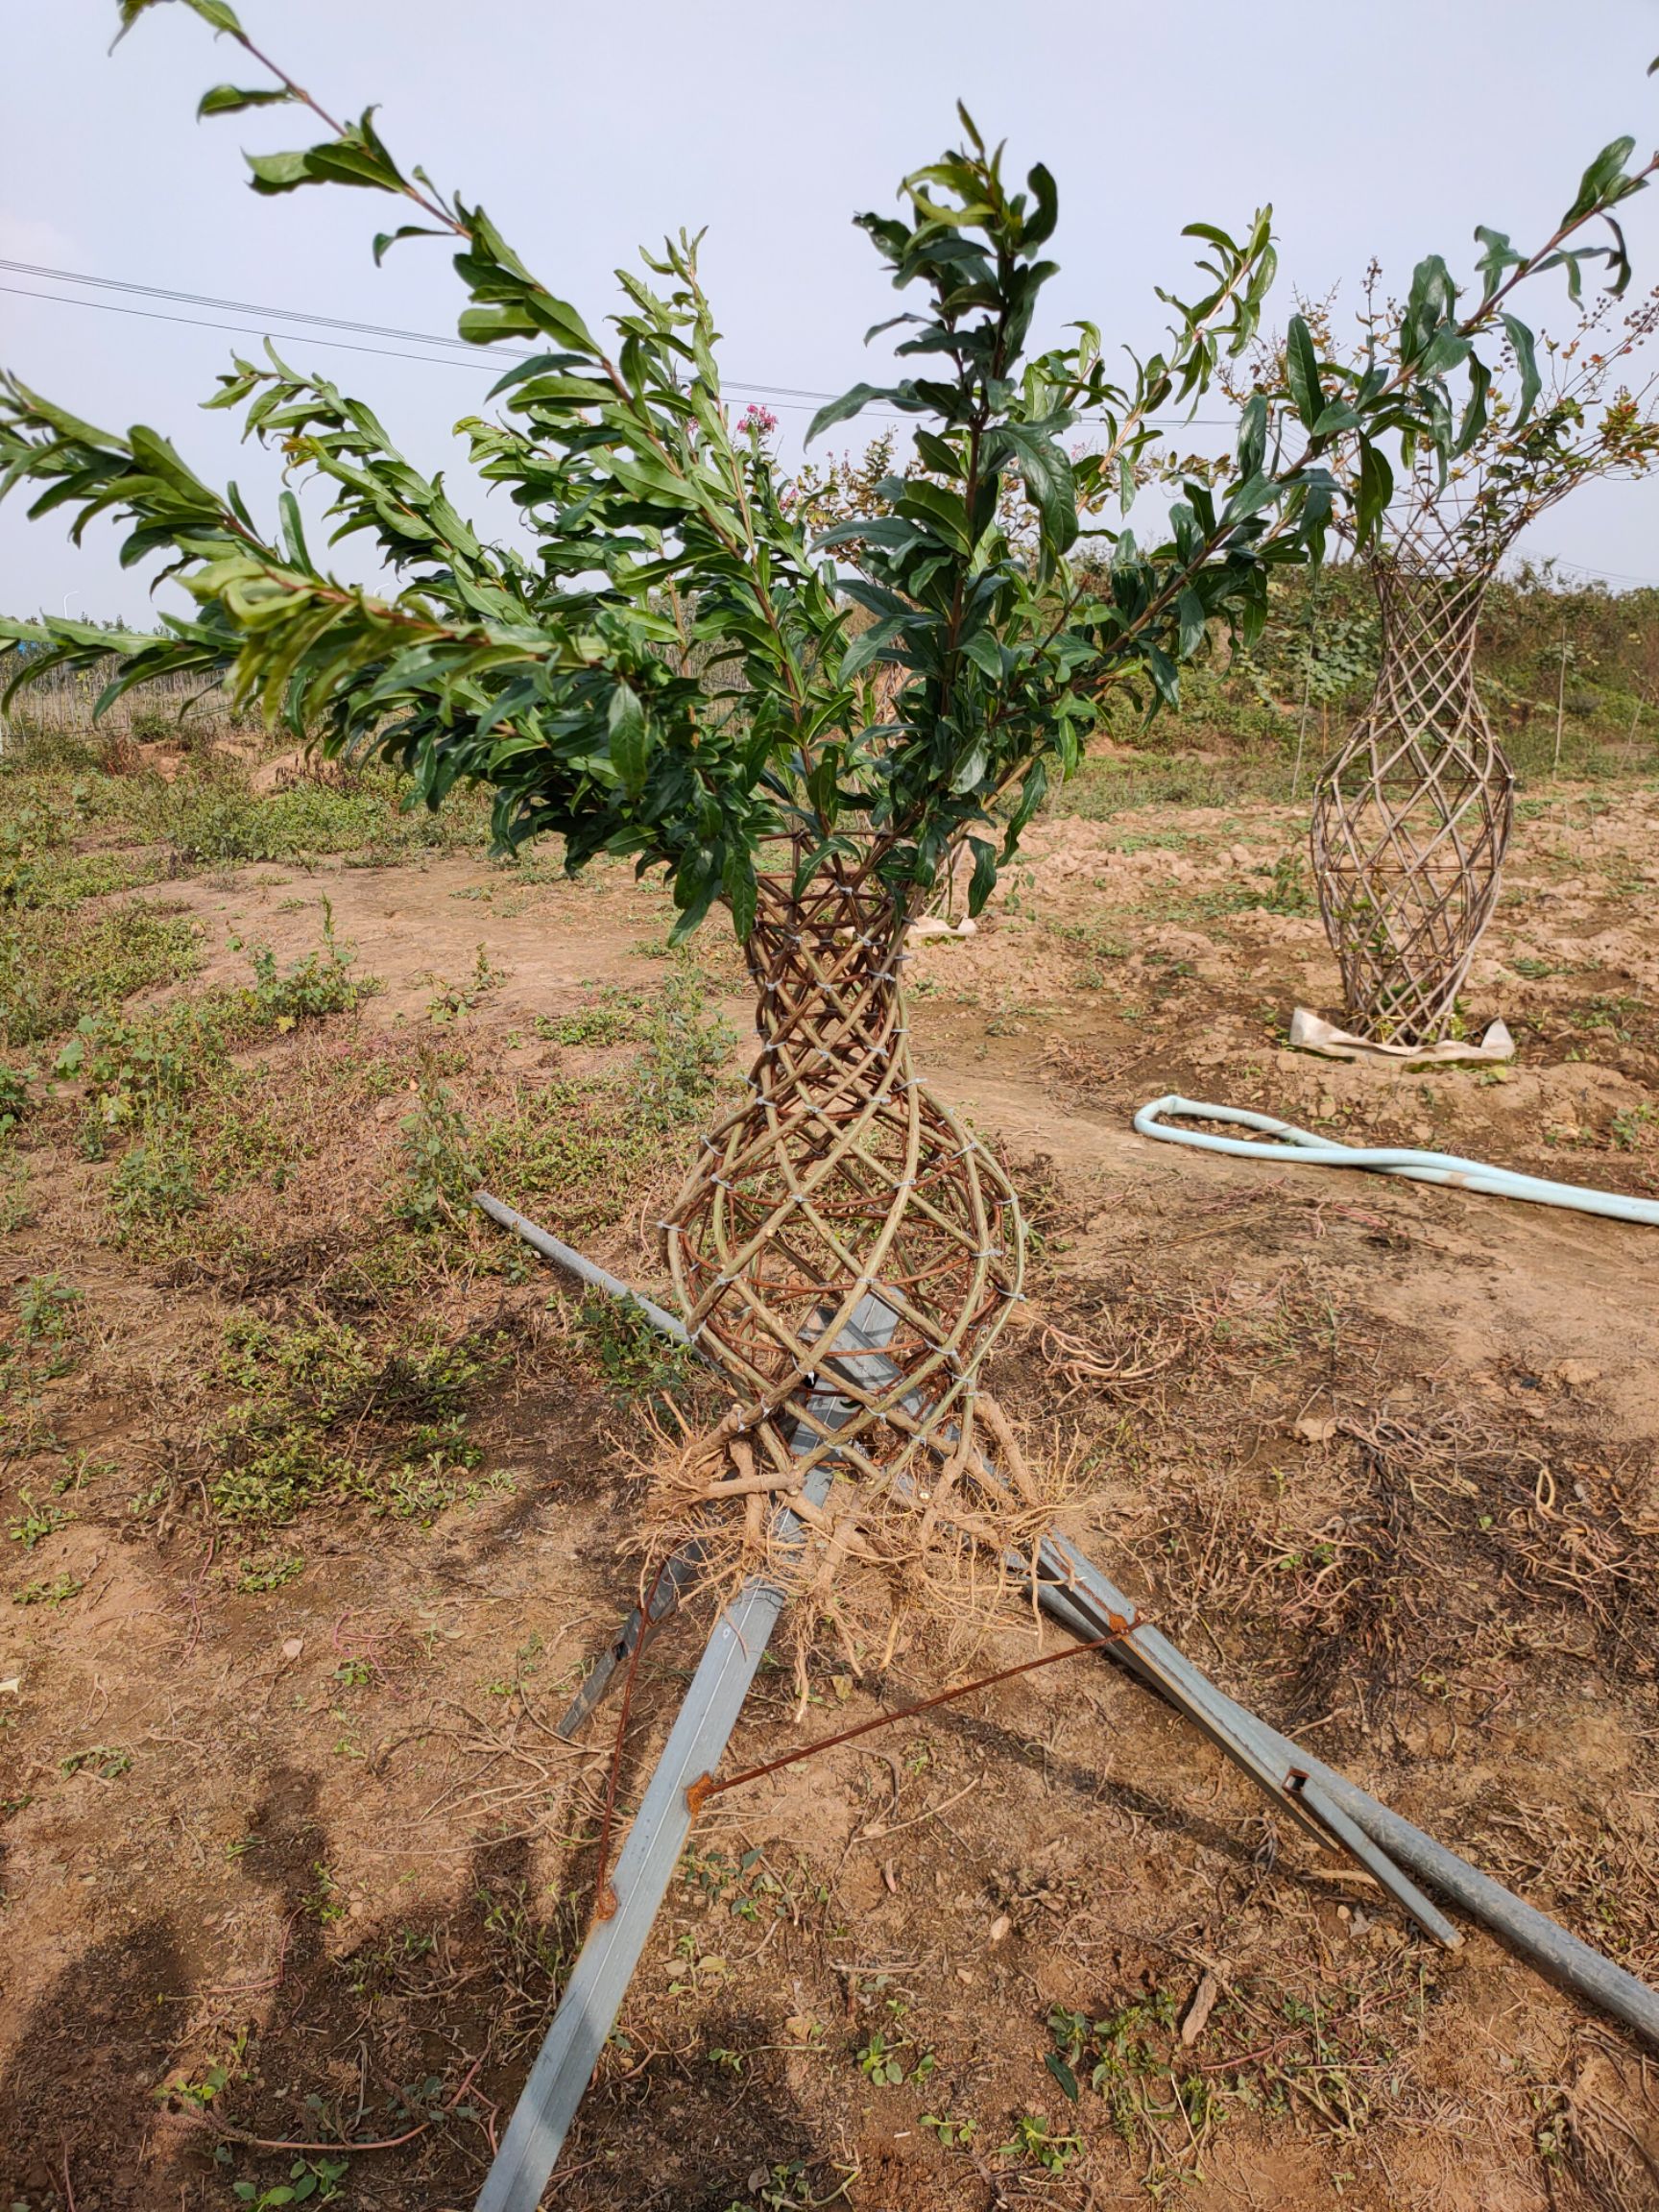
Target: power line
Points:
(466, 352)
(231, 306)
(346, 346)
(1583, 569)
(230, 330)
(467, 355)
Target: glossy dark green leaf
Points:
(983, 880)
(385, 240)
(1045, 471)
(280, 172)
(1301, 371)
(630, 736)
(1376, 488)
(1062, 2074)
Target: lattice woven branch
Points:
(1412, 815)
(842, 1176)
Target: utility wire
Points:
(495, 353)
(230, 330)
(466, 356)
(797, 398)
(465, 349)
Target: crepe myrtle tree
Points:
(806, 730)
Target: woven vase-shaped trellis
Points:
(1412, 815)
(843, 1180)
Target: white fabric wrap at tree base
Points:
(1311, 1032)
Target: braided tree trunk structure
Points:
(1412, 816)
(843, 1177)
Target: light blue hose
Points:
(1301, 1148)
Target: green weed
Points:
(57, 964)
(35, 1523)
(1289, 891)
(1038, 2144)
(14, 1099)
(321, 1414)
(101, 1759)
(451, 1002)
(254, 1577)
(612, 1017)
(58, 1592)
(635, 1359)
(1629, 1127)
(441, 1168)
(321, 982)
(46, 1312)
(211, 816)
(309, 2180)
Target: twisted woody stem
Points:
(842, 1180)
(1412, 814)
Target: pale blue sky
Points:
(1390, 131)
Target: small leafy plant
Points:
(1036, 2142)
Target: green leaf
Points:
(385, 240)
(1498, 258)
(1527, 361)
(1475, 414)
(1301, 371)
(1045, 471)
(1251, 497)
(280, 172)
(1598, 180)
(984, 877)
(1062, 2074)
(232, 99)
(970, 774)
(1338, 415)
(1252, 434)
(741, 892)
(630, 736)
(868, 646)
(986, 654)
(941, 458)
(938, 510)
(1047, 212)
(851, 402)
(1376, 488)
(484, 326)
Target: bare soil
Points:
(296, 1867)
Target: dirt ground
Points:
(293, 1861)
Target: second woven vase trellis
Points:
(1412, 815)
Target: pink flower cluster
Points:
(759, 421)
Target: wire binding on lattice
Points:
(843, 1178)
(1412, 815)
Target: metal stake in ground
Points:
(1083, 1599)
(645, 1865)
